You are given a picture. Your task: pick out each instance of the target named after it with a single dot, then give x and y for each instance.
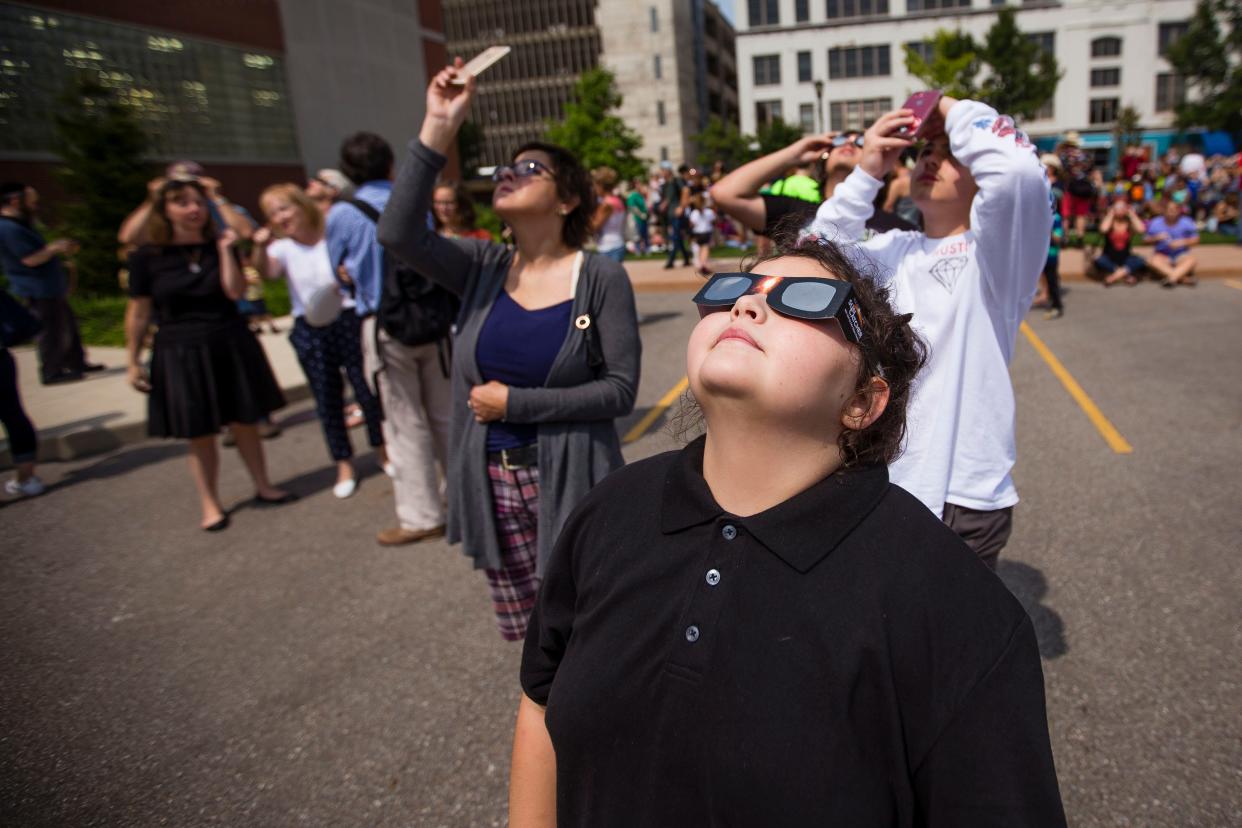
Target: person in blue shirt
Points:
(412, 385)
(1173, 233)
(37, 274)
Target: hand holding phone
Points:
(480, 62)
(924, 105)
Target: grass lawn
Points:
(102, 318)
(720, 252)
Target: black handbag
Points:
(17, 325)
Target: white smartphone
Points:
(480, 62)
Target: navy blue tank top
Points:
(517, 347)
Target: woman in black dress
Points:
(207, 368)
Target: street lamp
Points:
(819, 99)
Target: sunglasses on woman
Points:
(847, 138)
(519, 169)
(800, 297)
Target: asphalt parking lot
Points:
(291, 672)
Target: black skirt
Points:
(207, 375)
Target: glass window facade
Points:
(194, 98)
(859, 62)
(857, 115)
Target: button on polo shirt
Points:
(850, 662)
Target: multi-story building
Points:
(256, 90)
(1111, 52)
(672, 59)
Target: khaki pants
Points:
(416, 397)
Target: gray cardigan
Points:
(574, 411)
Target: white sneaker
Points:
(345, 488)
(32, 487)
(390, 470)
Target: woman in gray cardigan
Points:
(546, 353)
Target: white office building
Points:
(1109, 50)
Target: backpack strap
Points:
(366, 209)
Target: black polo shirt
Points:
(840, 659)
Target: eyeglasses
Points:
(800, 297)
(843, 139)
(520, 169)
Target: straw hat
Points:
(1073, 138)
(1049, 159)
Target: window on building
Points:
(1106, 47)
(1103, 110)
(922, 48)
(192, 98)
(660, 119)
(766, 112)
(1044, 40)
(1170, 91)
(859, 62)
(1106, 77)
(857, 115)
(806, 117)
(767, 69)
(804, 67)
(856, 8)
(998, 2)
(1168, 34)
(802, 11)
(914, 6)
(655, 20)
(663, 153)
(657, 68)
(763, 12)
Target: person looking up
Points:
(968, 279)
(739, 194)
(224, 213)
(327, 187)
(1119, 227)
(759, 629)
(546, 353)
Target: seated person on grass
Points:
(1173, 233)
(1118, 230)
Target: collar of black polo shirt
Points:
(802, 531)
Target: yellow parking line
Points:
(1110, 434)
(640, 428)
(1236, 285)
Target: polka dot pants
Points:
(324, 353)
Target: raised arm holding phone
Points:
(968, 279)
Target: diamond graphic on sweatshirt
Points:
(947, 270)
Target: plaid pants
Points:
(514, 586)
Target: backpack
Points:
(412, 310)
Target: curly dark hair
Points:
(572, 181)
(890, 349)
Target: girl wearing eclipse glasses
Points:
(760, 629)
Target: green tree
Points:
(1210, 58)
(593, 132)
(723, 141)
(103, 174)
(1023, 76)
(469, 148)
(776, 134)
(951, 66)
(1127, 131)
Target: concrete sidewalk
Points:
(102, 412)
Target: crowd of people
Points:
(848, 497)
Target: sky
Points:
(726, 7)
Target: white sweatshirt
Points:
(968, 294)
